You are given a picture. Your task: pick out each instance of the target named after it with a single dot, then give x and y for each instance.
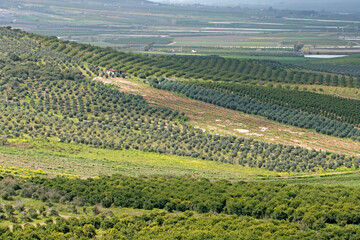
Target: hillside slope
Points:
(69, 108)
(229, 122)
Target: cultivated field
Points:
(224, 121)
(131, 25)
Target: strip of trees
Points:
(160, 225)
(273, 112)
(311, 206)
(341, 109)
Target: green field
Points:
(43, 158)
(228, 43)
(82, 161)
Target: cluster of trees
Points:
(270, 111)
(162, 226)
(341, 109)
(207, 68)
(311, 206)
(20, 213)
(23, 58)
(154, 132)
(87, 112)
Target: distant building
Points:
(114, 71)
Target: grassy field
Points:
(337, 179)
(344, 92)
(26, 158)
(54, 158)
(211, 43)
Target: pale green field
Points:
(26, 158)
(196, 43)
(56, 158)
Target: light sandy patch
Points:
(242, 130)
(289, 131)
(171, 44)
(263, 129)
(202, 129)
(255, 134)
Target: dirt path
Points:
(171, 44)
(220, 120)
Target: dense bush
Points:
(159, 225)
(313, 206)
(233, 210)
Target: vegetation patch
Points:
(270, 111)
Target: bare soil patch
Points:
(21, 145)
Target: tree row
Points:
(341, 109)
(273, 112)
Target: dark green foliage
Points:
(341, 109)
(311, 205)
(159, 225)
(270, 111)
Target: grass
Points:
(192, 43)
(344, 92)
(23, 172)
(56, 158)
(351, 179)
(47, 158)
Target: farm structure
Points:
(114, 71)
